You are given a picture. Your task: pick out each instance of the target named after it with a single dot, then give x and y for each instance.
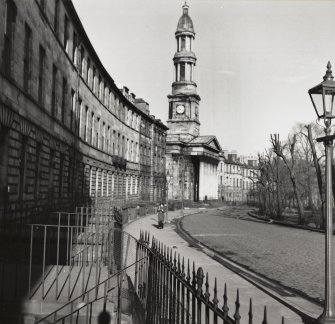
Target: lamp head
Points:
(322, 96)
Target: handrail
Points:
(54, 313)
(72, 232)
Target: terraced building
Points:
(68, 134)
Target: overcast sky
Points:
(256, 59)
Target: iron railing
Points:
(89, 302)
(171, 292)
(161, 285)
(59, 248)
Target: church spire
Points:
(184, 58)
(184, 100)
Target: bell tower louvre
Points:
(191, 159)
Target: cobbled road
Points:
(292, 257)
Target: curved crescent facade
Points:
(68, 134)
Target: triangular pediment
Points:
(208, 141)
(214, 143)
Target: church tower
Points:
(191, 159)
(184, 100)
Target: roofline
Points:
(71, 11)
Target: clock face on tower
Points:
(180, 109)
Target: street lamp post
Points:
(322, 97)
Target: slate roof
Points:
(202, 139)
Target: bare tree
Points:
(290, 163)
(269, 185)
(316, 162)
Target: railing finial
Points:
(200, 280)
(188, 277)
(194, 280)
(225, 307)
(215, 299)
(207, 294)
(183, 268)
(237, 315)
(179, 271)
(265, 320)
(250, 312)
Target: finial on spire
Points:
(185, 8)
(328, 76)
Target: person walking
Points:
(161, 213)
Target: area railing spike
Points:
(175, 261)
(250, 312)
(282, 320)
(179, 270)
(200, 280)
(194, 280)
(225, 307)
(188, 277)
(237, 315)
(215, 298)
(207, 294)
(183, 268)
(265, 320)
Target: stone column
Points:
(207, 177)
(210, 181)
(216, 181)
(210, 196)
(201, 181)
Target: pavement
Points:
(247, 290)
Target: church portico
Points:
(207, 179)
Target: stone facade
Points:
(67, 133)
(191, 159)
(237, 179)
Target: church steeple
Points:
(184, 100)
(184, 58)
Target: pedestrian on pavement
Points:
(161, 213)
